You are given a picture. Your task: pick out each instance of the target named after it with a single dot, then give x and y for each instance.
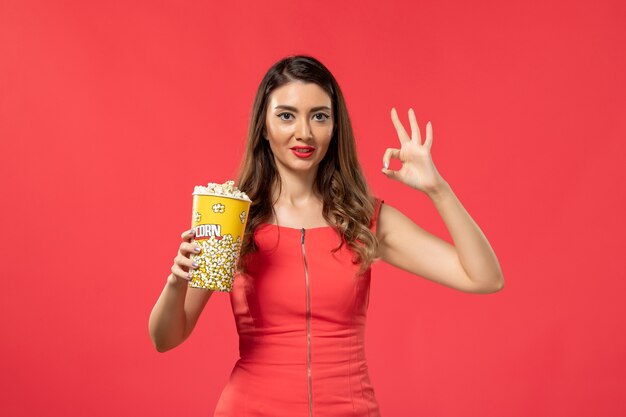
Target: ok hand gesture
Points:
(418, 170)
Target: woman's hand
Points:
(183, 264)
(418, 170)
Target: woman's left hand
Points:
(418, 170)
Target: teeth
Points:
(304, 150)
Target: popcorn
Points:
(216, 263)
(219, 216)
(227, 189)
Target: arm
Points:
(470, 266)
(176, 313)
(178, 308)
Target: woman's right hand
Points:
(182, 262)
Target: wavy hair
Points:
(339, 182)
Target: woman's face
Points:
(299, 116)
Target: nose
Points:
(303, 130)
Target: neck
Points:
(297, 188)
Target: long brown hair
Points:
(339, 182)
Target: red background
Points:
(110, 113)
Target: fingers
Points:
(429, 135)
(415, 131)
(188, 235)
(187, 248)
(183, 263)
(391, 174)
(178, 272)
(402, 135)
(390, 153)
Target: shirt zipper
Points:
(308, 324)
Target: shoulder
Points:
(376, 203)
(388, 218)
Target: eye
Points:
(326, 117)
(281, 114)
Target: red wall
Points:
(110, 113)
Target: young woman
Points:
(314, 228)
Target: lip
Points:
(303, 155)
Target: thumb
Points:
(390, 173)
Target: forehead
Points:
(299, 94)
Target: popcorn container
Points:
(219, 222)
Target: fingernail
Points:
(196, 249)
(195, 264)
(191, 232)
(386, 165)
(189, 275)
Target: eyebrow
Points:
(293, 109)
